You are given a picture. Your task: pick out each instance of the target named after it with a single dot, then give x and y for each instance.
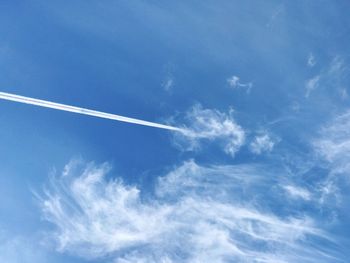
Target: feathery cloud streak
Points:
(334, 144)
(210, 125)
(196, 214)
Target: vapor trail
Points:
(63, 107)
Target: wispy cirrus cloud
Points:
(235, 82)
(331, 76)
(333, 150)
(209, 125)
(297, 192)
(311, 85)
(334, 143)
(196, 214)
(168, 83)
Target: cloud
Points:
(196, 214)
(17, 249)
(297, 192)
(338, 73)
(207, 125)
(332, 147)
(276, 13)
(311, 85)
(311, 61)
(343, 93)
(169, 79)
(168, 83)
(234, 82)
(262, 143)
(337, 66)
(333, 76)
(333, 144)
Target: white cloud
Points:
(295, 106)
(234, 82)
(297, 192)
(16, 249)
(334, 143)
(343, 93)
(311, 85)
(333, 149)
(332, 77)
(337, 73)
(195, 215)
(205, 125)
(168, 84)
(262, 143)
(169, 79)
(277, 12)
(311, 61)
(329, 195)
(337, 66)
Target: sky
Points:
(260, 172)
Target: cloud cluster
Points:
(206, 125)
(196, 214)
(234, 82)
(262, 143)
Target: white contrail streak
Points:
(63, 107)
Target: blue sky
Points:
(261, 173)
